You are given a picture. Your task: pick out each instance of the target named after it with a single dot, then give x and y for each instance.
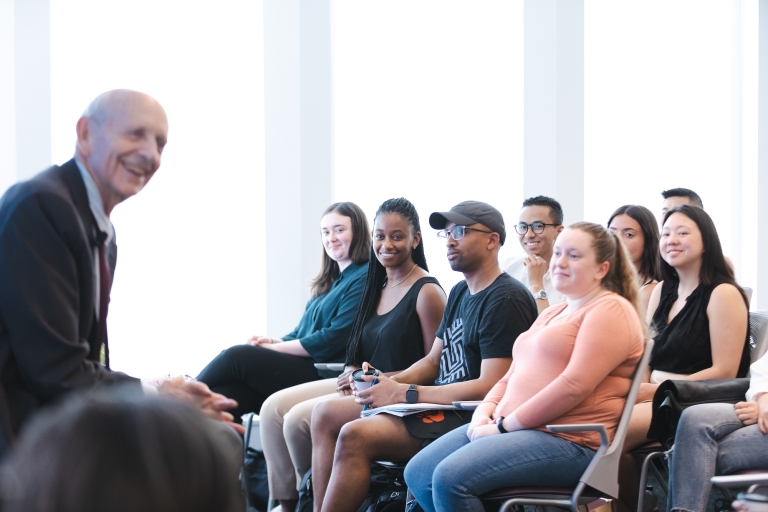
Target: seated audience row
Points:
(506, 442)
(395, 326)
(55, 296)
(472, 350)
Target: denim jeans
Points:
(450, 474)
(710, 441)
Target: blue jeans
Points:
(710, 441)
(450, 474)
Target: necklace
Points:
(403, 279)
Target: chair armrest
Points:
(594, 427)
(334, 367)
(740, 480)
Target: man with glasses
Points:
(472, 351)
(540, 221)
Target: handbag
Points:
(672, 397)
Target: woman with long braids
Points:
(395, 325)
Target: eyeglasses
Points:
(457, 232)
(537, 227)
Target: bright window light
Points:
(190, 273)
(658, 105)
(428, 104)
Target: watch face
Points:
(412, 396)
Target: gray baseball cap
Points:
(467, 213)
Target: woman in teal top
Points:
(250, 373)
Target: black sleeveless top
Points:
(683, 345)
(394, 341)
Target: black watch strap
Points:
(500, 425)
(412, 395)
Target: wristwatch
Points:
(412, 395)
(541, 295)
(500, 425)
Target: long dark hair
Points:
(358, 249)
(713, 264)
(650, 262)
(374, 281)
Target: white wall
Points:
(189, 280)
(7, 94)
(670, 101)
(428, 105)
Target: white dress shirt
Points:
(758, 380)
(516, 268)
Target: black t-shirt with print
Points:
(482, 326)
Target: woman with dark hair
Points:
(250, 373)
(698, 316)
(121, 451)
(636, 226)
(573, 366)
(395, 325)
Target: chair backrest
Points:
(748, 292)
(758, 334)
(603, 473)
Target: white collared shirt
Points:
(96, 203)
(758, 378)
(517, 269)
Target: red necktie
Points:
(104, 288)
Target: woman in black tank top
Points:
(388, 331)
(698, 316)
(399, 313)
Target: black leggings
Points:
(250, 374)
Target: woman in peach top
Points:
(574, 365)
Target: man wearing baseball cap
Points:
(472, 351)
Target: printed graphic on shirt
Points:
(453, 361)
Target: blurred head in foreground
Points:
(121, 451)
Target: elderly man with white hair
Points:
(57, 258)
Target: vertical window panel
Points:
(428, 105)
(658, 112)
(190, 274)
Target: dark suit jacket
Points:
(47, 313)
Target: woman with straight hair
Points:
(574, 365)
(395, 325)
(636, 227)
(250, 373)
(699, 318)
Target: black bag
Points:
(672, 397)
(306, 497)
(388, 490)
(255, 473)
